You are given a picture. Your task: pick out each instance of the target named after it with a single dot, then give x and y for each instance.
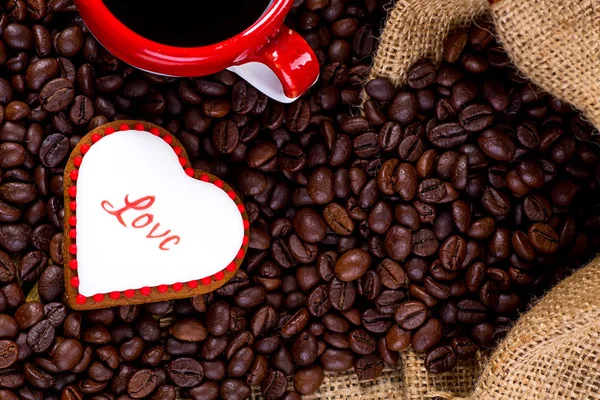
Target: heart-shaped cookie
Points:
(141, 225)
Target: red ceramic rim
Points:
(151, 56)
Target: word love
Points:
(142, 221)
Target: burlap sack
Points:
(556, 43)
(554, 350)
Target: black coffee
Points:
(187, 23)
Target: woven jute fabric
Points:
(553, 352)
(346, 386)
(416, 29)
(556, 44)
(420, 384)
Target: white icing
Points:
(112, 257)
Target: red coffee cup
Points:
(271, 57)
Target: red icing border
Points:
(144, 291)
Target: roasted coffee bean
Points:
(352, 265)
(391, 274)
(411, 315)
(55, 313)
(308, 380)
(471, 311)
(337, 360)
(390, 136)
(217, 318)
(537, 208)
(448, 135)
(296, 323)
(432, 191)
(398, 242)
(404, 108)
(232, 389)
(454, 46)
(341, 294)
(309, 225)
(376, 321)
(421, 75)
(380, 90)
(319, 301)
(57, 94)
(304, 350)
(543, 238)
(9, 353)
(241, 362)
(368, 367)
(388, 300)
(428, 335)
(185, 372)
(411, 148)
(495, 202)
(440, 359)
(463, 347)
(497, 145)
(453, 252)
(398, 339)
(40, 336)
(54, 149)
(338, 219)
(405, 178)
(29, 314)
(68, 354)
(190, 330)
(437, 289)
(274, 385)
(249, 297)
(522, 246)
(361, 342)
(225, 136)
(476, 117)
(424, 243)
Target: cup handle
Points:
(283, 69)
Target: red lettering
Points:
(149, 219)
(167, 240)
(140, 204)
(151, 236)
(141, 221)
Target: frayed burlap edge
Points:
(416, 29)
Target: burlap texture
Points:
(417, 29)
(553, 352)
(399, 383)
(346, 386)
(420, 384)
(556, 44)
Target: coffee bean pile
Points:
(430, 221)
(56, 84)
(477, 192)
